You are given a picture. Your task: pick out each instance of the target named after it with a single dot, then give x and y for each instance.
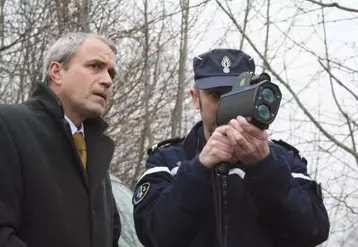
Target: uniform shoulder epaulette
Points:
(289, 147)
(167, 142)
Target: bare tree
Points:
(178, 108)
(2, 4)
(156, 40)
(334, 128)
(83, 17)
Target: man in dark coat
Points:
(55, 189)
(268, 199)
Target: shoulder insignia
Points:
(164, 143)
(289, 147)
(140, 193)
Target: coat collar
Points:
(48, 99)
(195, 141)
(53, 105)
(100, 147)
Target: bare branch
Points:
(343, 201)
(345, 115)
(268, 23)
(334, 5)
(338, 80)
(288, 87)
(247, 11)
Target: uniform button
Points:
(94, 212)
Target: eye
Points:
(214, 95)
(95, 66)
(112, 73)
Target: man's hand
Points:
(250, 144)
(218, 149)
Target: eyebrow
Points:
(112, 67)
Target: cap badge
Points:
(226, 63)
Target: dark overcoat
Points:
(47, 199)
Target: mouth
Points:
(101, 94)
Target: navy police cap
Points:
(220, 67)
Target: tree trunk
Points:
(178, 108)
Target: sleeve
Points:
(10, 190)
(168, 209)
(117, 223)
(288, 199)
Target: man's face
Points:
(85, 86)
(207, 102)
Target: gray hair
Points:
(64, 48)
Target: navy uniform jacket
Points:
(272, 204)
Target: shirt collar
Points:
(73, 127)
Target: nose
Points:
(106, 79)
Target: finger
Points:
(221, 136)
(233, 135)
(238, 154)
(240, 131)
(241, 141)
(222, 144)
(224, 155)
(238, 139)
(251, 129)
(236, 125)
(221, 129)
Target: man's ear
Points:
(194, 93)
(55, 70)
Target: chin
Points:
(94, 109)
(95, 112)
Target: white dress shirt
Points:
(73, 127)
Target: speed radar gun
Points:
(254, 97)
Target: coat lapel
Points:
(99, 146)
(100, 150)
(99, 155)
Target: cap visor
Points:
(217, 81)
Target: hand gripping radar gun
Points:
(254, 97)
